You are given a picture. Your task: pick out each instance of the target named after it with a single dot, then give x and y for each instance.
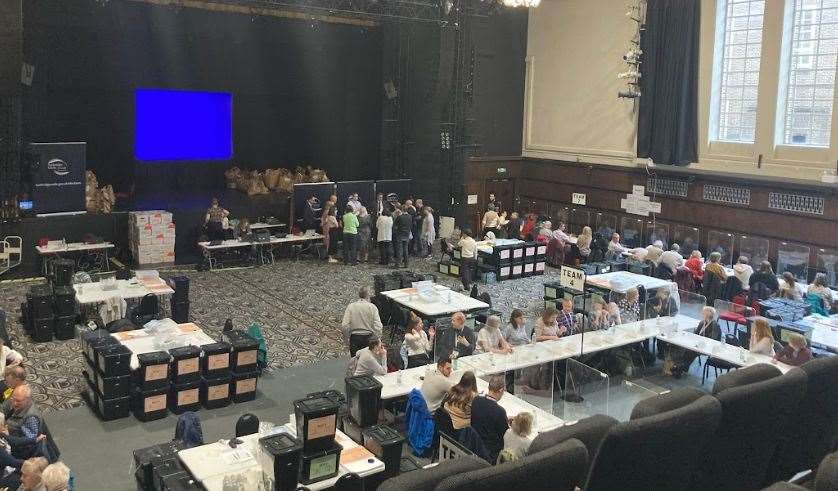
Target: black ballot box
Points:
(186, 364)
(386, 444)
(316, 419)
(153, 370)
(281, 452)
(363, 396)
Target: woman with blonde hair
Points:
(762, 341)
(56, 477)
(458, 400)
(796, 353)
(520, 435)
(583, 242)
(788, 287)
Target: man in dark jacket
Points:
(402, 225)
(489, 419)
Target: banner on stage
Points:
(58, 177)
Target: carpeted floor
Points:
(299, 305)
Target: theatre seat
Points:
(805, 444)
(428, 479)
(826, 478)
(590, 431)
(757, 405)
(660, 451)
(558, 468)
(669, 401)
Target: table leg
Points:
(107, 265)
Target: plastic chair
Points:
(718, 364)
(146, 311)
(733, 313)
(247, 424)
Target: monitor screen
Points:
(182, 125)
(25, 205)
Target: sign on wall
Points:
(58, 177)
(579, 198)
(637, 203)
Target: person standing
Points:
(214, 220)
(468, 257)
(513, 226)
(384, 236)
(491, 220)
(412, 246)
(329, 224)
(418, 245)
(402, 226)
(310, 214)
(489, 419)
(361, 316)
(428, 234)
(364, 234)
(350, 237)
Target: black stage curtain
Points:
(668, 120)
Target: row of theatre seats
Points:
(757, 427)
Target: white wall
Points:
(574, 53)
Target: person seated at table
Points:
(743, 271)
(436, 384)
(819, 289)
(672, 258)
(766, 276)
(615, 248)
(371, 360)
(614, 317)
(598, 318)
(361, 316)
(13, 377)
(457, 401)
(669, 306)
(561, 232)
(514, 225)
(520, 435)
(489, 419)
(490, 339)
(653, 308)
(714, 266)
(654, 252)
(418, 343)
(762, 341)
(242, 228)
(583, 242)
(10, 365)
(696, 265)
(630, 306)
(789, 289)
(681, 358)
(528, 227)
(454, 338)
(214, 220)
(489, 239)
(515, 333)
(545, 232)
(547, 326)
(796, 352)
(566, 319)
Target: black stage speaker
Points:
(11, 41)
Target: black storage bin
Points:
(148, 405)
(153, 371)
(43, 329)
(282, 452)
(107, 409)
(181, 287)
(111, 386)
(185, 397)
(113, 359)
(186, 364)
(40, 301)
(244, 386)
(65, 327)
(316, 420)
(99, 337)
(65, 300)
(244, 357)
(363, 396)
(63, 271)
(319, 465)
(146, 458)
(164, 469)
(386, 444)
(180, 482)
(216, 359)
(443, 267)
(215, 392)
(180, 311)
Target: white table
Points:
(92, 293)
(141, 341)
(258, 225)
(207, 248)
(211, 463)
(445, 303)
(101, 249)
(622, 281)
(823, 330)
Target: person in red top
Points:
(529, 227)
(696, 265)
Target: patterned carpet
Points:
(299, 305)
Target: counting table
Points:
(210, 464)
(446, 302)
(93, 293)
(56, 249)
(144, 341)
(265, 248)
(622, 281)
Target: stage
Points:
(189, 210)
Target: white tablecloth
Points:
(141, 341)
(446, 302)
(92, 293)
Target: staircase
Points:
(11, 253)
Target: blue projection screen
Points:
(183, 125)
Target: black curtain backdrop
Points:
(668, 120)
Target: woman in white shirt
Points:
(584, 241)
(490, 339)
(428, 233)
(762, 341)
(520, 435)
(418, 343)
(384, 237)
(8, 357)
